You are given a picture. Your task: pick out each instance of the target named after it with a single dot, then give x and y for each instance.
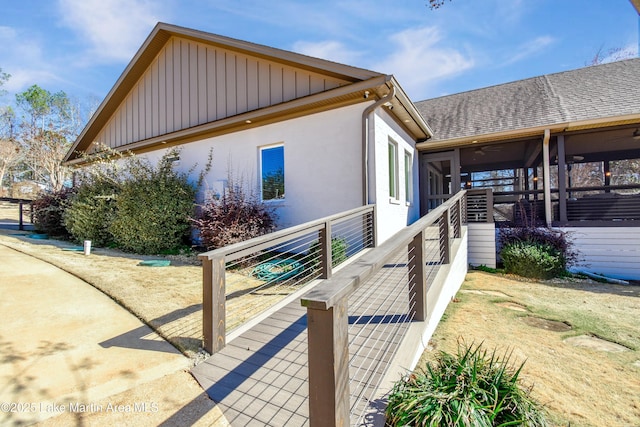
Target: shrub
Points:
(536, 252)
(153, 209)
(234, 217)
(338, 252)
(472, 388)
(48, 210)
(90, 212)
(533, 259)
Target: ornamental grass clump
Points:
(473, 388)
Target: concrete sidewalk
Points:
(70, 352)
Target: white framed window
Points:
(394, 188)
(272, 172)
(408, 177)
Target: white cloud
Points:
(330, 50)
(418, 60)
(530, 48)
(22, 58)
(114, 29)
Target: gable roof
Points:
(593, 96)
(185, 84)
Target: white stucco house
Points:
(342, 136)
(335, 137)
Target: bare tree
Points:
(48, 124)
(9, 148)
(436, 4)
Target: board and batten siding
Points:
(482, 243)
(612, 251)
(191, 83)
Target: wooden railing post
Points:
(326, 255)
(417, 277)
(328, 341)
(444, 238)
(214, 304)
(20, 220)
(489, 205)
(374, 219)
(457, 225)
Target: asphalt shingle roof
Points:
(606, 90)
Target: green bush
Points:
(473, 388)
(48, 211)
(153, 210)
(133, 205)
(338, 252)
(533, 259)
(91, 211)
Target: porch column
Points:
(546, 177)
(562, 180)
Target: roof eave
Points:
(158, 37)
(335, 98)
(438, 145)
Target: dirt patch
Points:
(513, 306)
(595, 343)
(546, 324)
(169, 299)
(484, 292)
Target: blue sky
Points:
(82, 46)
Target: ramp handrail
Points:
(327, 305)
(214, 263)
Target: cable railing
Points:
(357, 319)
(242, 280)
(24, 215)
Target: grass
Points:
(579, 386)
(168, 299)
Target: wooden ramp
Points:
(261, 377)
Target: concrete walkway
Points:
(66, 348)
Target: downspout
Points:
(546, 176)
(365, 141)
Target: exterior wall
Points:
(393, 215)
(611, 251)
(191, 83)
(323, 172)
(482, 244)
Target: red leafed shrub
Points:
(233, 217)
(48, 210)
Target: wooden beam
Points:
(546, 177)
(417, 279)
(562, 180)
(213, 304)
(325, 251)
(328, 340)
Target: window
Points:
(408, 177)
(393, 170)
(272, 172)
